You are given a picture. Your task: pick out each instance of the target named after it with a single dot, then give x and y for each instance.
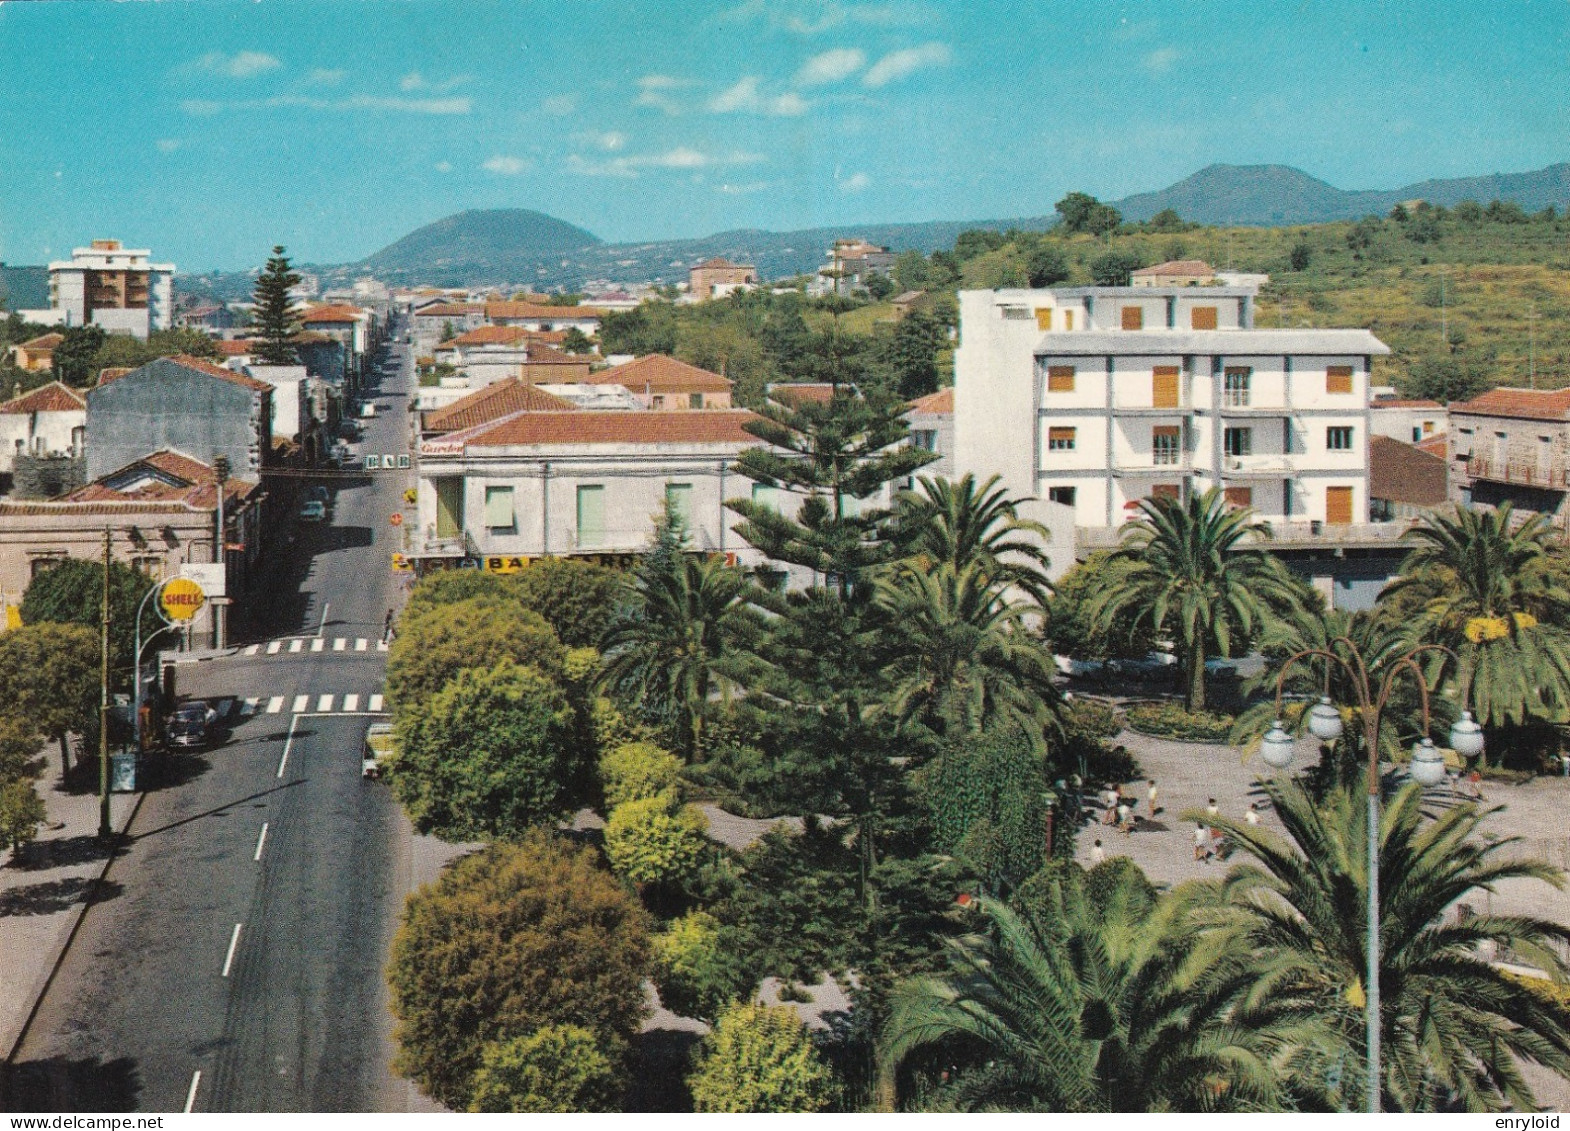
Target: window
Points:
(1164, 444)
(765, 496)
(153, 567)
(1338, 379)
(1060, 379)
(1417, 434)
(1165, 491)
(1068, 319)
(925, 439)
(1202, 318)
(1338, 438)
(42, 566)
(591, 515)
(657, 401)
(499, 515)
(678, 500)
(1164, 386)
(1060, 439)
(1064, 495)
(1235, 392)
(1043, 318)
(1238, 441)
(694, 400)
(1133, 317)
(1239, 496)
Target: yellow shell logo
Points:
(181, 598)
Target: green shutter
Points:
(449, 508)
(678, 499)
(766, 496)
(498, 508)
(591, 515)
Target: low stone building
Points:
(718, 277)
(49, 421)
(1512, 445)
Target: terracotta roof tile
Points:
(1434, 445)
(451, 310)
(43, 342)
(194, 487)
(660, 374)
(613, 427)
(1178, 267)
(1527, 404)
(1398, 402)
(188, 362)
(941, 401)
(802, 392)
(238, 347)
(492, 403)
(112, 372)
(1403, 473)
(53, 397)
(538, 310)
(490, 335)
(321, 314)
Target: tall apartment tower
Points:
(115, 287)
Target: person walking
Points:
(1098, 855)
(387, 631)
(1125, 816)
(1153, 794)
(1201, 842)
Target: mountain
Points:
(24, 288)
(499, 243)
(1272, 195)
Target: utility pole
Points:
(1444, 328)
(221, 555)
(105, 828)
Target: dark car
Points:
(190, 726)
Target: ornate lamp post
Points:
(1427, 769)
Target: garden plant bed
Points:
(1168, 719)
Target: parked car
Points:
(368, 410)
(316, 492)
(378, 744)
(313, 511)
(190, 726)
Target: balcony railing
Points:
(1264, 464)
(1554, 476)
(1286, 534)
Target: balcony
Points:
(1147, 468)
(1553, 477)
(1284, 535)
(1265, 466)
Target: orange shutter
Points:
(1338, 506)
(1060, 439)
(1060, 379)
(1068, 319)
(1133, 318)
(1338, 379)
(1164, 491)
(1043, 318)
(1164, 386)
(1203, 318)
(1240, 496)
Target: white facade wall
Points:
(41, 434)
(1407, 424)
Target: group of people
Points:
(1118, 805)
(1117, 810)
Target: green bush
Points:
(697, 968)
(559, 1068)
(1094, 718)
(760, 1058)
(654, 840)
(1170, 720)
(21, 812)
(578, 599)
(636, 771)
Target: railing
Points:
(1527, 474)
(1310, 533)
(1257, 465)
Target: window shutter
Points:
(1060, 379)
(591, 515)
(1203, 318)
(1338, 379)
(498, 508)
(1043, 318)
(1164, 386)
(1133, 317)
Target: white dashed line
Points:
(296, 645)
(251, 651)
(275, 704)
(234, 941)
(272, 648)
(261, 840)
(318, 644)
(351, 702)
(340, 644)
(361, 644)
(324, 703)
(301, 703)
(190, 1097)
(249, 707)
(376, 703)
(381, 645)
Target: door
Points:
(1338, 506)
(449, 508)
(591, 515)
(1164, 386)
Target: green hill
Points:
(496, 244)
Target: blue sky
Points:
(210, 131)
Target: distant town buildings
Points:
(851, 262)
(718, 277)
(1175, 273)
(107, 285)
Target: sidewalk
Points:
(43, 893)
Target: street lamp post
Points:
(136, 709)
(1427, 769)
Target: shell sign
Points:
(181, 598)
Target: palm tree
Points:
(1494, 590)
(963, 524)
(1102, 999)
(1185, 568)
(961, 654)
(1454, 1025)
(667, 648)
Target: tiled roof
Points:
(1398, 402)
(660, 374)
(490, 335)
(239, 347)
(802, 392)
(193, 485)
(492, 403)
(110, 372)
(451, 310)
(1434, 445)
(1527, 404)
(330, 314)
(43, 342)
(538, 310)
(1403, 473)
(612, 427)
(53, 397)
(1178, 267)
(941, 401)
(188, 362)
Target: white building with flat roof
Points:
(1098, 397)
(115, 287)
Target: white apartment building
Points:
(115, 287)
(1098, 397)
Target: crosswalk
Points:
(236, 707)
(297, 645)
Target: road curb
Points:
(197, 657)
(63, 944)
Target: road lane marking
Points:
(316, 645)
(249, 708)
(296, 645)
(351, 702)
(288, 742)
(340, 644)
(275, 704)
(251, 651)
(261, 840)
(381, 645)
(376, 703)
(234, 941)
(272, 648)
(190, 1097)
(324, 703)
(361, 644)
(301, 702)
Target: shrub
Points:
(437, 641)
(760, 1058)
(1094, 718)
(697, 968)
(21, 812)
(510, 940)
(654, 840)
(450, 586)
(1170, 720)
(636, 771)
(578, 599)
(560, 1068)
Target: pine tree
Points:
(274, 317)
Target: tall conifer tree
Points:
(275, 322)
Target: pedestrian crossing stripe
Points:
(253, 649)
(361, 644)
(300, 704)
(376, 703)
(324, 703)
(381, 645)
(272, 648)
(250, 707)
(275, 704)
(316, 645)
(338, 644)
(351, 702)
(296, 645)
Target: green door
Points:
(449, 508)
(591, 516)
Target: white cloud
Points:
(241, 65)
(206, 108)
(745, 97)
(898, 64)
(810, 17)
(834, 65)
(610, 140)
(655, 91)
(444, 166)
(681, 157)
(560, 105)
(1161, 59)
(415, 81)
(507, 166)
(742, 190)
(167, 144)
(324, 76)
(856, 182)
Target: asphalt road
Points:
(253, 957)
